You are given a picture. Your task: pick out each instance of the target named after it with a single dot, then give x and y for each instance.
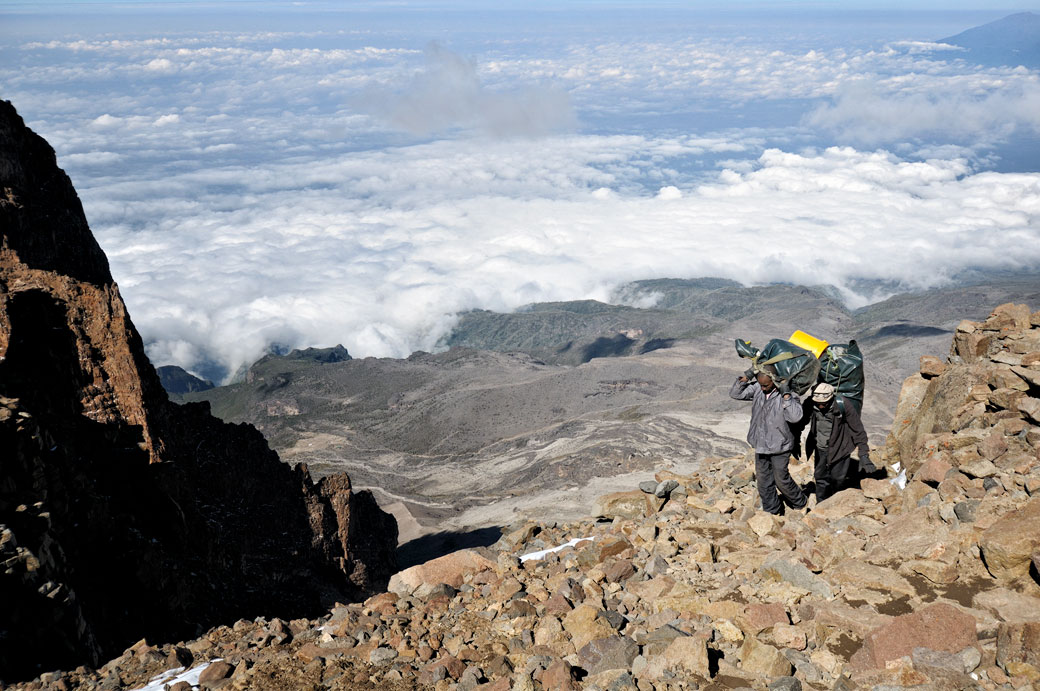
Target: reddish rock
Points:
(557, 605)
(993, 446)
(559, 676)
(938, 627)
(612, 547)
(619, 570)
(931, 366)
(451, 569)
(758, 616)
(933, 471)
(216, 671)
(453, 667)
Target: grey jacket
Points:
(769, 432)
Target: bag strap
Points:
(779, 358)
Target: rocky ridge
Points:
(926, 579)
(121, 513)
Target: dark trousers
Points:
(828, 475)
(771, 474)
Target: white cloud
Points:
(246, 198)
(448, 94)
(873, 113)
(379, 250)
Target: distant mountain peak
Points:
(1011, 41)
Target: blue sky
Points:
(297, 177)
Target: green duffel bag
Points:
(841, 366)
(796, 368)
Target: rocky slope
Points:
(541, 426)
(926, 579)
(122, 514)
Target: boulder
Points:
(933, 471)
(1008, 605)
(603, 654)
(1018, 649)
(796, 573)
(631, 505)
(450, 569)
(938, 626)
(215, 672)
(849, 502)
(852, 572)
(584, 624)
(763, 660)
(931, 366)
(758, 616)
(687, 654)
(1009, 544)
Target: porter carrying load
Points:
(797, 368)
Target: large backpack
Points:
(795, 366)
(841, 366)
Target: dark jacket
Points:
(769, 431)
(847, 433)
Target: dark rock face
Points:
(123, 515)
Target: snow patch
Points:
(172, 676)
(542, 554)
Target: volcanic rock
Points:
(99, 465)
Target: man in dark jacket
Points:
(772, 438)
(835, 429)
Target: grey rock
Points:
(656, 565)
(785, 684)
(428, 591)
(925, 658)
(382, 655)
(615, 619)
(970, 658)
(965, 510)
(656, 641)
(649, 486)
(796, 574)
(805, 667)
(603, 654)
(471, 679)
(664, 488)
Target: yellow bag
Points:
(810, 343)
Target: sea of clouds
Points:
(361, 179)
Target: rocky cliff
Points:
(123, 515)
(925, 579)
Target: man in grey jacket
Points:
(772, 438)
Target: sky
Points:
(267, 175)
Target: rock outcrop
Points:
(123, 515)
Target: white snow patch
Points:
(544, 552)
(172, 676)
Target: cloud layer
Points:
(348, 185)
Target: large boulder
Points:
(451, 569)
(1009, 544)
(939, 627)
